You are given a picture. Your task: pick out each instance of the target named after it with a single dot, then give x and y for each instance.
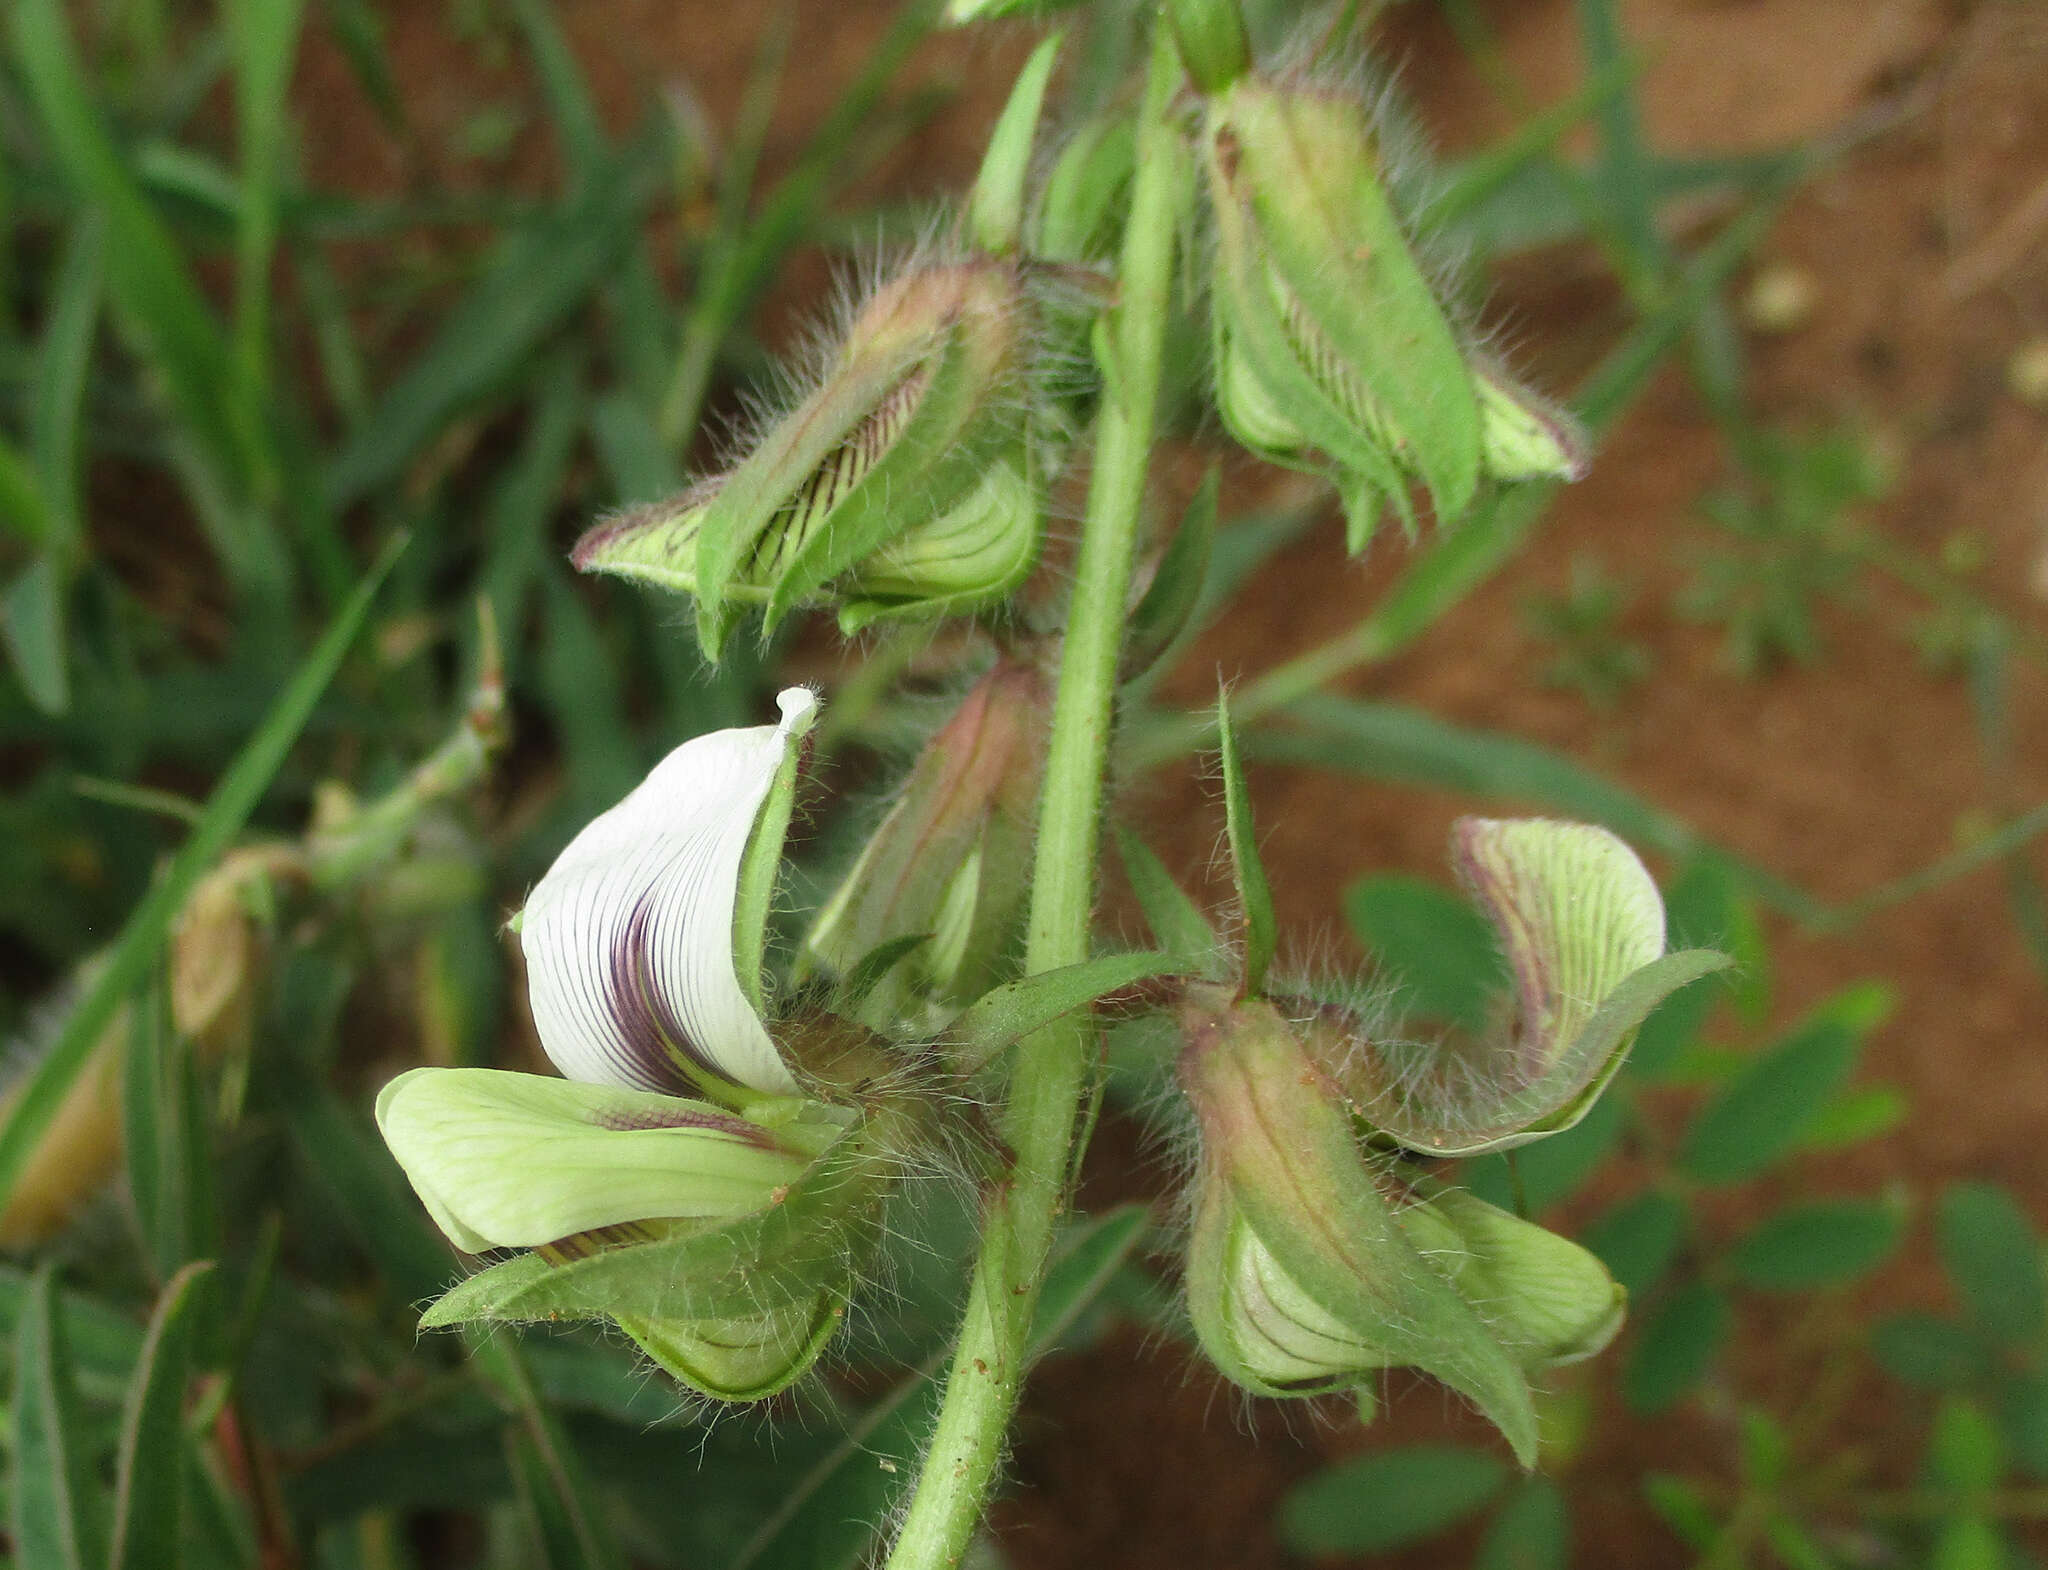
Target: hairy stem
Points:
(1051, 1067)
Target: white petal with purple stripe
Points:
(629, 937)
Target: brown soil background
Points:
(1840, 776)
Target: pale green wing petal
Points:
(505, 1160)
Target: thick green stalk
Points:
(1051, 1067)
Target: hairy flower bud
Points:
(1310, 1269)
(951, 860)
(900, 485)
(1332, 351)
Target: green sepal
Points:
(1083, 196)
(746, 1358)
(995, 209)
(1167, 610)
(1254, 894)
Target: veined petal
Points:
(507, 1160)
(629, 937)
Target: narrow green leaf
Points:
(995, 209)
(1177, 923)
(32, 628)
(264, 38)
(247, 778)
(170, 1169)
(1994, 1258)
(2023, 1421)
(1254, 895)
(568, 96)
(149, 1488)
(571, 1529)
(1388, 1499)
(1007, 1014)
(58, 1519)
(62, 361)
(1818, 1244)
(1675, 1347)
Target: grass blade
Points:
(264, 35)
(142, 938)
(61, 365)
(57, 1523)
(149, 1489)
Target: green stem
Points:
(1051, 1067)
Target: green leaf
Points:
(1254, 895)
(1177, 923)
(1857, 1116)
(1964, 1451)
(1928, 1351)
(1994, 1259)
(1639, 1239)
(1675, 1347)
(830, 1516)
(1439, 949)
(1007, 1014)
(1823, 1243)
(63, 361)
(1761, 1115)
(149, 1486)
(1532, 1531)
(236, 796)
(58, 1517)
(2023, 1420)
(1970, 1543)
(170, 1169)
(1388, 1499)
(32, 629)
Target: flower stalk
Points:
(1050, 1067)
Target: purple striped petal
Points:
(629, 937)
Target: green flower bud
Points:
(746, 1358)
(950, 862)
(1332, 351)
(900, 484)
(1303, 1275)
(1581, 925)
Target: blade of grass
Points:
(32, 630)
(57, 1517)
(142, 937)
(159, 305)
(581, 133)
(62, 361)
(149, 1487)
(264, 36)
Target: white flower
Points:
(630, 951)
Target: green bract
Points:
(1332, 351)
(900, 485)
